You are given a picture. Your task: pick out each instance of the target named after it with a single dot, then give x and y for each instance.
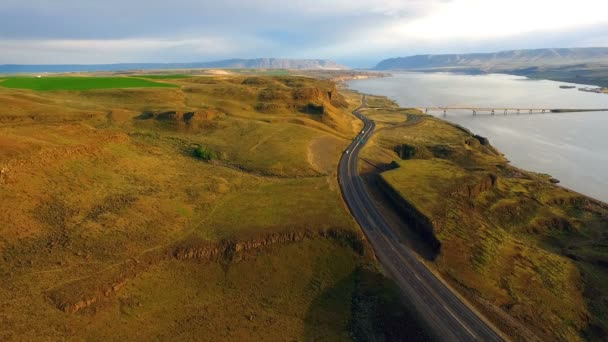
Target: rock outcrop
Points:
(229, 250)
(486, 183)
(417, 220)
(84, 293)
(405, 151)
(188, 118)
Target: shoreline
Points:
(543, 172)
(592, 199)
(478, 206)
(599, 84)
(358, 75)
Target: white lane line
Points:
(459, 321)
(433, 294)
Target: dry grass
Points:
(518, 243)
(101, 189)
(380, 102)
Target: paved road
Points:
(444, 312)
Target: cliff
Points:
(503, 59)
(80, 294)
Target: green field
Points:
(79, 83)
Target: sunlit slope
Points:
(110, 220)
(514, 243)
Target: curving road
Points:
(444, 312)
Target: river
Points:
(572, 147)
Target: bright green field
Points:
(79, 83)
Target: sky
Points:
(356, 33)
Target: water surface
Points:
(572, 147)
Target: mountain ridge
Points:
(501, 59)
(254, 63)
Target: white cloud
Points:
(112, 51)
(87, 31)
(469, 25)
(483, 19)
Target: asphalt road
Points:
(445, 313)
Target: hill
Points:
(498, 60)
(258, 63)
(205, 211)
(508, 240)
(274, 63)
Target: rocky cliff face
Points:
(484, 184)
(417, 220)
(83, 293)
(180, 116)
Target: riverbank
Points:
(509, 240)
(569, 146)
(590, 75)
(357, 75)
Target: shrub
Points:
(205, 153)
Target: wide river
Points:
(572, 147)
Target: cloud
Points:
(482, 19)
(91, 51)
(86, 31)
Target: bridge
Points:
(505, 111)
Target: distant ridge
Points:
(258, 63)
(499, 60)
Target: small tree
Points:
(204, 153)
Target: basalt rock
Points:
(186, 118)
(405, 151)
(486, 183)
(441, 151)
(81, 294)
(417, 220)
(482, 140)
(227, 250)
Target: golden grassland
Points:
(111, 227)
(529, 254)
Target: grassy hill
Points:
(529, 254)
(205, 210)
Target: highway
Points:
(444, 312)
